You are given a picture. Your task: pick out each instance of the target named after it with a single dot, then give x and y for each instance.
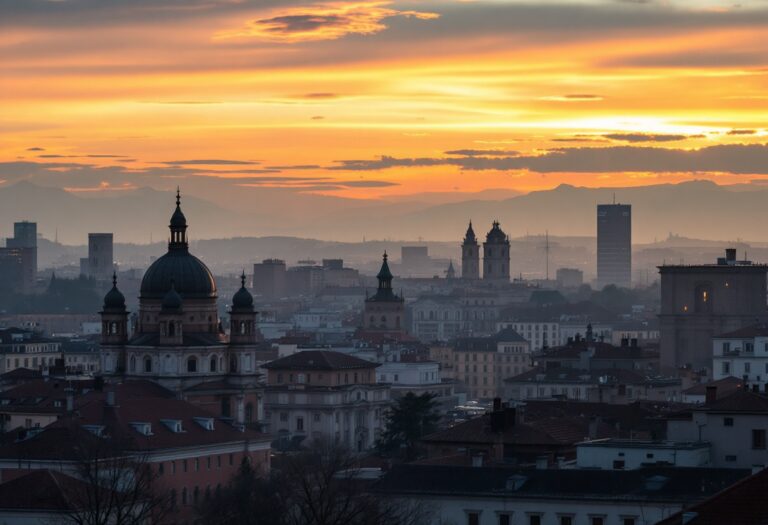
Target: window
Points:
(747, 368)
(534, 519)
(316, 417)
(628, 521)
(300, 424)
(730, 458)
(566, 520)
(283, 417)
(147, 364)
(597, 520)
(505, 519)
(160, 468)
(192, 364)
(727, 421)
(473, 518)
(726, 347)
(758, 439)
(213, 364)
(727, 367)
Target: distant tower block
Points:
(100, 256)
(470, 255)
(614, 245)
(496, 255)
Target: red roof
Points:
(45, 490)
(739, 504)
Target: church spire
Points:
(469, 237)
(385, 275)
(178, 227)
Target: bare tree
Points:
(119, 486)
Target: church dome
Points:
(191, 277)
(496, 235)
(114, 300)
(242, 300)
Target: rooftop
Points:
(319, 360)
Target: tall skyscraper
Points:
(100, 256)
(470, 255)
(269, 278)
(496, 255)
(614, 245)
(23, 246)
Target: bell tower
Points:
(470, 255)
(242, 317)
(114, 317)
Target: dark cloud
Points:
(742, 132)
(210, 162)
(296, 167)
(318, 117)
(650, 137)
(733, 158)
(319, 95)
(578, 139)
(483, 152)
(300, 23)
(36, 149)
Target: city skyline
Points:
(381, 99)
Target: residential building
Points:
(734, 425)
(324, 396)
(270, 279)
(539, 334)
(20, 256)
(614, 245)
(629, 454)
(101, 257)
(27, 349)
(482, 363)
(418, 377)
(569, 277)
(437, 317)
(743, 354)
(701, 301)
(467, 495)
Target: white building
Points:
(626, 454)
(508, 496)
(743, 354)
(540, 334)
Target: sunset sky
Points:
(371, 99)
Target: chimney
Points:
(730, 255)
(711, 395)
(70, 400)
(111, 398)
(542, 462)
(633, 342)
(477, 460)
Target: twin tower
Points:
(495, 255)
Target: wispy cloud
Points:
(328, 21)
(651, 137)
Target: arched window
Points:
(192, 364)
(221, 364)
(242, 328)
(373, 321)
(171, 329)
(147, 364)
(133, 363)
(249, 413)
(213, 364)
(233, 364)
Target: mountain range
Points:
(698, 209)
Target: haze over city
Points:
(383, 262)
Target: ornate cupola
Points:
(171, 317)
(242, 317)
(114, 317)
(178, 227)
(385, 291)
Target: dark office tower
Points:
(614, 245)
(24, 243)
(470, 255)
(496, 255)
(269, 279)
(100, 256)
(701, 301)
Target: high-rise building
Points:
(614, 245)
(701, 301)
(496, 255)
(100, 256)
(470, 255)
(569, 277)
(269, 278)
(22, 248)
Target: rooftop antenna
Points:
(546, 250)
(614, 197)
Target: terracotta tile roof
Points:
(45, 490)
(739, 401)
(319, 360)
(748, 332)
(740, 504)
(725, 386)
(549, 431)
